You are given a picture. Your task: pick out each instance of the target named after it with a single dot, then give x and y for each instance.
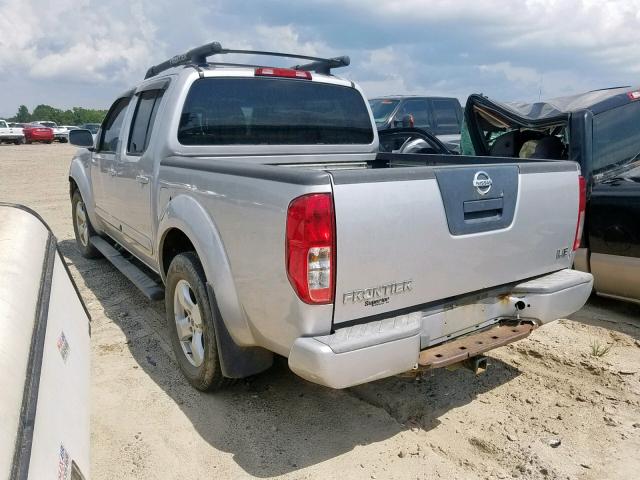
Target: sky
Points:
(85, 52)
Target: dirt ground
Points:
(546, 408)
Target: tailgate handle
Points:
(483, 210)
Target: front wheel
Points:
(190, 323)
(82, 227)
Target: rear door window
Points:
(418, 109)
(616, 136)
(269, 111)
(143, 120)
(445, 114)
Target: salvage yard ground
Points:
(547, 407)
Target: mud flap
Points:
(236, 361)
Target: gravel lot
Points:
(545, 409)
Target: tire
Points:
(82, 227)
(187, 304)
(28, 142)
(49, 141)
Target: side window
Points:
(3, 124)
(112, 126)
(445, 113)
(143, 120)
(420, 111)
(616, 136)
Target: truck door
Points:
(104, 158)
(134, 171)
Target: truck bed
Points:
(412, 230)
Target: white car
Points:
(60, 133)
(10, 134)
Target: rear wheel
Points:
(82, 227)
(49, 141)
(190, 323)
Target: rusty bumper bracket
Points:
(472, 345)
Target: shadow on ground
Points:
(276, 423)
(618, 315)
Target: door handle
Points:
(142, 179)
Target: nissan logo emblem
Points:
(482, 182)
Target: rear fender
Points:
(203, 234)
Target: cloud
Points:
(82, 52)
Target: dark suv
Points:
(440, 115)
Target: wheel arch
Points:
(239, 357)
(199, 233)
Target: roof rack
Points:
(198, 56)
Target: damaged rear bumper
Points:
(370, 351)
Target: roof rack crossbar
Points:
(199, 56)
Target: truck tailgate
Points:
(410, 236)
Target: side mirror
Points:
(81, 138)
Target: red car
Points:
(37, 133)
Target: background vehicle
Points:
(206, 173)
(61, 134)
(92, 127)
(613, 234)
(44, 355)
(440, 115)
(601, 131)
(10, 134)
(34, 132)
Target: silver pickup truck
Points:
(255, 201)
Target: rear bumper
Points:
(39, 137)
(370, 351)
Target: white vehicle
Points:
(10, 134)
(60, 133)
(44, 356)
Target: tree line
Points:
(74, 116)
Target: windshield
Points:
(382, 108)
(270, 111)
(48, 124)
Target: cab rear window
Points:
(270, 111)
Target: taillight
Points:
(311, 247)
(282, 72)
(582, 207)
